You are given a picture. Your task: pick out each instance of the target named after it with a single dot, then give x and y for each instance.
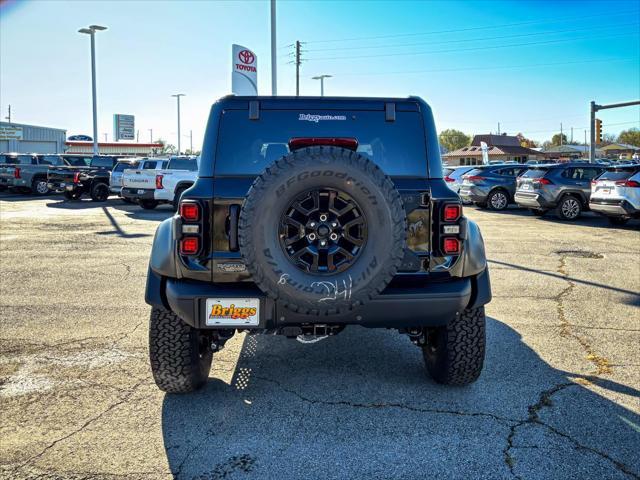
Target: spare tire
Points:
(322, 230)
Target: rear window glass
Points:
(25, 159)
(459, 172)
(7, 159)
(183, 164)
(448, 171)
(618, 174)
(534, 173)
(475, 171)
(51, 160)
(122, 166)
(102, 162)
(78, 161)
(250, 146)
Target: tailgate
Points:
(61, 175)
(139, 179)
(606, 189)
(7, 171)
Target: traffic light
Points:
(598, 131)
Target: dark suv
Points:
(491, 186)
(564, 188)
(310, 214)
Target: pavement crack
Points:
(92, 420)
(381, 405)
(601, 364)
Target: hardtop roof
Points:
(325, 103)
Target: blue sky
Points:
(528, 65)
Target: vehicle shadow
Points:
(7, 196)
(359, 405)
(131, 210)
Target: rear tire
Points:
(148, 204)
(454, 353)
(179, 354)
(39, 186)
(617, 221)
(498, 200)
(569, 208)
(99, 192)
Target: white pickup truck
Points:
(150, 188)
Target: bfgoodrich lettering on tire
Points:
(322, 230)
(180, 355)
(454, 354)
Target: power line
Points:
(500, 67)
(487, 27)
(544, 42)
(476, 39)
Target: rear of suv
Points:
(564, 188)
(616, 194)
(310, 214)
(491, 186)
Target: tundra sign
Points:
(244, 76)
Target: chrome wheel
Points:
(498, 201)
(570, 208)
(323, 231)
(41, 187)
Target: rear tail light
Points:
(159, 182)
(16, 173)
(544, 181)
(450, 246)
(449, 179)
(474, 178)
(628, 183)
(452, 212)
(189, 245)
(190, 212)
(76, 177)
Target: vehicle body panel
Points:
(616, 192)
(478, 183)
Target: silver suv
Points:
(564, 188)
(616, 194)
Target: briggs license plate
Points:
(233, 312)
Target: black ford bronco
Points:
(310, 214)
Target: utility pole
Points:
(592, 124)
(105, 137)
(498, 128)
(191, 141)
(560, 133)
(274, 61)
(8, 117)
(91, 30)
(151, 135)
(571, 134)
(137, 136)
(178, 95)
(321, 78)
(297, 68)
(585, 144)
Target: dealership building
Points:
(21, 138)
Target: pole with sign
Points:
(244, 76)
(123, 127)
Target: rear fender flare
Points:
(575, 193)
(163, 260)
(474, 259)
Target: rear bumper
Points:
(531, 200)
(137, 193)
(397, 307)
(613, 207)
(6, 182)
(65, 187)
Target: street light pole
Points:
(321, 78)
(178, 95)
(91, 30)
(274, 61)
(151, 135)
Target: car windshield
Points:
(102, 162)
(250, 146)
(534, 173)
(618, 174)
(183, 164)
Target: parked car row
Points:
(567, 189)
(145, 181)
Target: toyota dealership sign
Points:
(244, 76)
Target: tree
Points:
(608, 138)
(630, 137)
(555, 140)
(166, 147)
(526, 142)
(452, 139)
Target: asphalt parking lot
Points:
(558, 398)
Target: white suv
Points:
(616, 193)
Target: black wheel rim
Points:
(323, 231)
